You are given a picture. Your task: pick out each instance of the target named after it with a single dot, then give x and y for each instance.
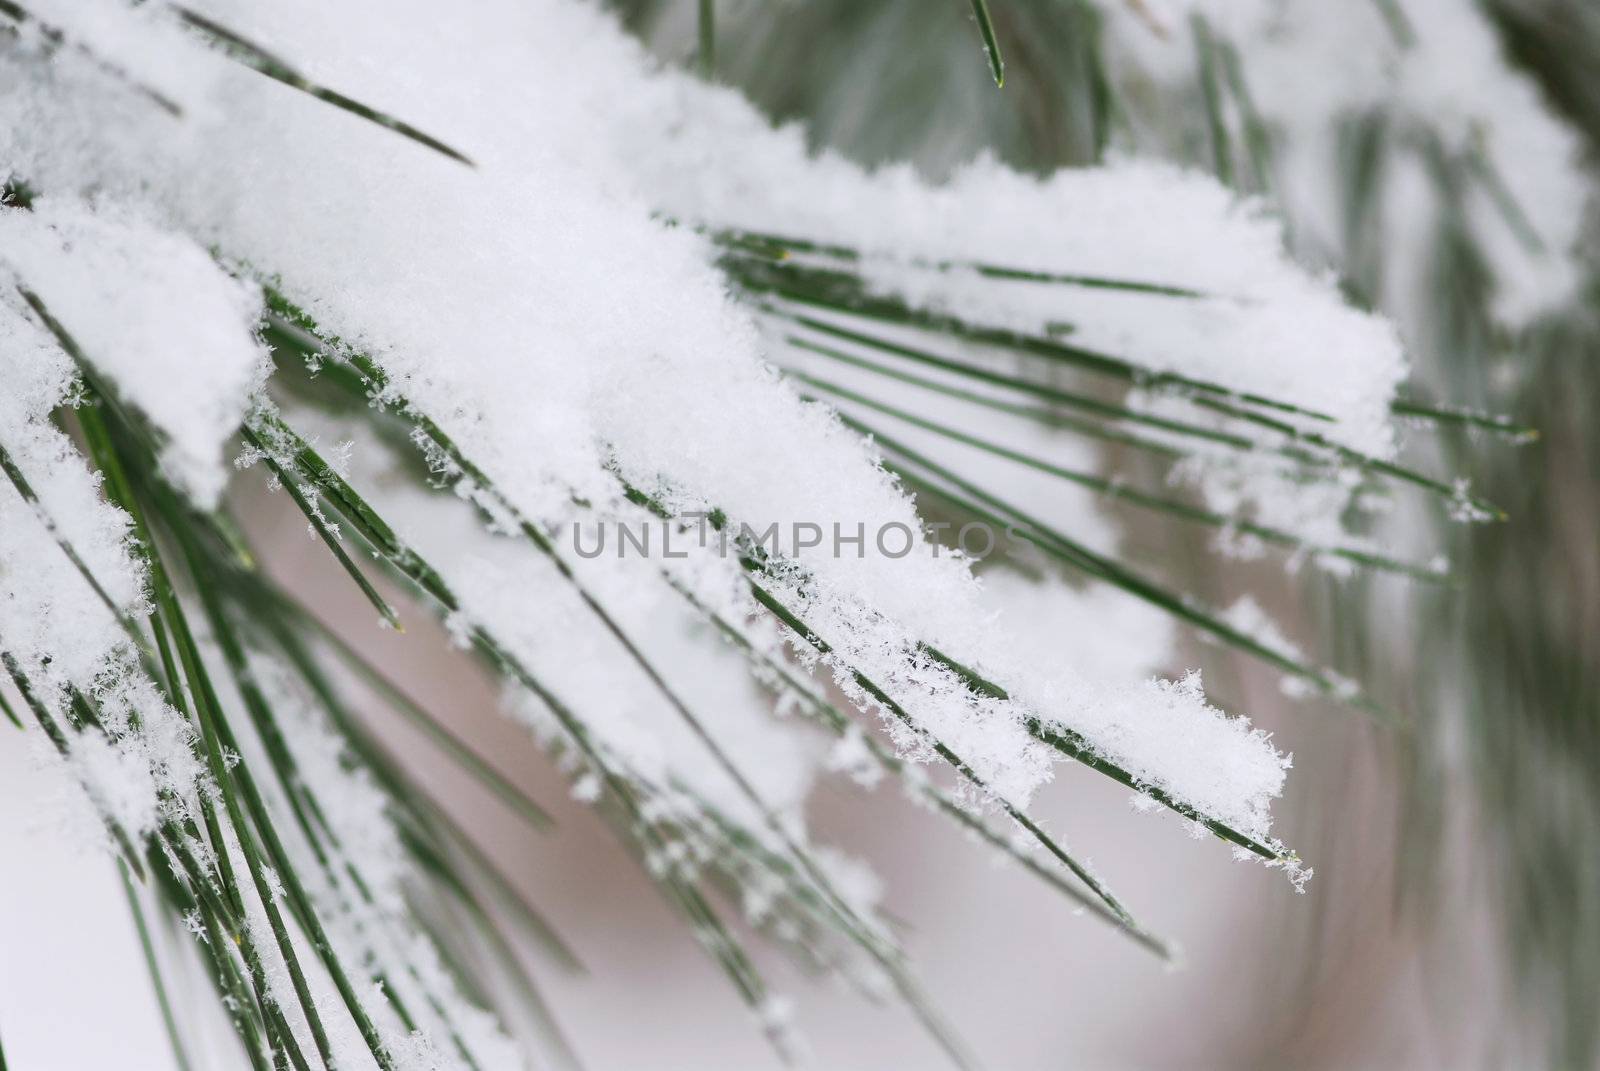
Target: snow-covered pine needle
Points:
(1121, 491)
(1143, 300)
(56, 38)
(258, 58)
(362, 515)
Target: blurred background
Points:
(1454, 920)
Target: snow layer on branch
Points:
(52, 622)
(125, 290)
(150, 310)
(534, 308)
(563, 644)
(1265, 327)
(50, 614)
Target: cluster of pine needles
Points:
(213, 611)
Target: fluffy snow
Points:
(50, 614)
(155, 314)
(539, 313)
(175, 336)
(52, 622)
(559, 309)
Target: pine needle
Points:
(153, 964)
(315, 518)
(1120, 491)
(708, 38)
(259, 59)
(985, 505)
(55, 37)
(991, 47)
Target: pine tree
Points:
(738, 465)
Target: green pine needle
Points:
(259, 59)
(1120, 491)
(708, 38)
(991, 47)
